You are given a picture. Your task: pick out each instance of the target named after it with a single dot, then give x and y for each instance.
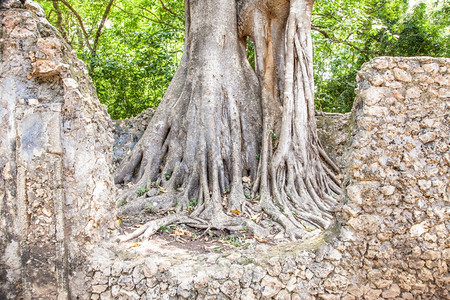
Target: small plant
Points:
(123, 202)
(164, 228)
(167, 175)
(233, 241)
(258, 156)
(142, 191)
(191, 205)
(227, 191)
(155, 184)
(274, 136)
(150, 207)
(178, 186)
(247, 195)
(294, 212)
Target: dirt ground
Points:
(196, 240)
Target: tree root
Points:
(221, 121)
(225, 223)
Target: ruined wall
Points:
(398, 177)
(56, 191)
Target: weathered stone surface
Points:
(270, 286)
(57, 138)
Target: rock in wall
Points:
(56, 191)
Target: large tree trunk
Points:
(221, 121)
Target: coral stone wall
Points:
(398, 176)
(56, 190)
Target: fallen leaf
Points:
(260, 240)
(182, 232)
(235, 212)
(134, 245)
(247, 179)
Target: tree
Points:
(220, 121)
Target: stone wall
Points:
(390, 239)
(56, 190)
(397, 203)
(127, 133)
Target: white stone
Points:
(424, 184)
(365, 223)
(431, 68)
(444, 93)
(98, 289)
(375, 111)
(270, 286)
(35, 7)
(247, 294)
(381, 64)
(402, 75)
(392, 292)
(33, 101)
(413, 93)
(229, 288)
(388, 190)
(70, 84)
(418, 229)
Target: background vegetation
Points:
(132, 47)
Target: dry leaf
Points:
(134, 245)
(182, 232)
(260, 240)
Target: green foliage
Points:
(191, 205)
(132, 57)
(142, 191)
(123, 202)
(138, 48)
(235, 241)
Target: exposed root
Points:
(214, 128)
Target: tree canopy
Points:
(132, 47)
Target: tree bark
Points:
(220, 121)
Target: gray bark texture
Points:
(223, 127)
